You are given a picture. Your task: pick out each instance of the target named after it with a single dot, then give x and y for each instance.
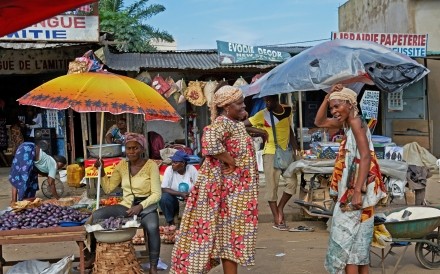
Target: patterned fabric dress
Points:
(352, 231)
(221, 215)
(23, 175)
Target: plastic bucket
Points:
(63, 175)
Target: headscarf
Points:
(345, 94)
(139, 138)
(223, 97)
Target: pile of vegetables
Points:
(168, 234)
(110, 201)
(46, 215)
(112, 223)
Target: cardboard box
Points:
(412, 130)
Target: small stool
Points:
(116, 258)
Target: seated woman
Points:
(139, 179)
(24, 177)
(115, 134)
(177, 182)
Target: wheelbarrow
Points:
(422, 232)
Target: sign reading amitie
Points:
(413, 45)
(234, 53)
(65, 28)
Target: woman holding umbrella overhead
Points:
(356, 184)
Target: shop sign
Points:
(61, 28)
(234, 53)
(36, 61)
(370, 104)
(413, 45)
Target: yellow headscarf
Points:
(345, 94)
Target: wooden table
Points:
(43, 235)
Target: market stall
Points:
(42, 222)
(315, 178)
(43, 235)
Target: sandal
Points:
(281, 227)
(302, 228)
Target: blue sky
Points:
(197, 24)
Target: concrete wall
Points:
(374, 16)
(434, 102)
(402, 16)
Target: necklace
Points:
(284, 110)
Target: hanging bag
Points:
(283, 158)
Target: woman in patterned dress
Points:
(221, 216)
(356, 181)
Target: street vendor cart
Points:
(315, 174)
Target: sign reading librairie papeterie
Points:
(413, 45)
(60, 28)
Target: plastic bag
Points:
(63, 266)
(283, 158)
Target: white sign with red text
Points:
(60, 28)
(413, 45)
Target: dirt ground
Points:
(277, 251)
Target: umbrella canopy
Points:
(18, 14)
(340, 61)
(101, 92)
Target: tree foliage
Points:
(128, 25)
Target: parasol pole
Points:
(300, 122)
(98, 187)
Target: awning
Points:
(19, 14)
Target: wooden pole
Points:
(72, 137)
(300, 121)
(84, 133)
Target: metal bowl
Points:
(115, 236)
(108, 150)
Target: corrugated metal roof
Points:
(178, 60)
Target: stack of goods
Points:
(325, 150)
(28, 215)
(168, 234)
(380, 144)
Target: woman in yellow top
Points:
(139, 179)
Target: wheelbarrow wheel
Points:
(429, 254)
(45, 188)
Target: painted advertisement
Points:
(61, 28)
(37, 61)
(233, 53)
(370, 104)
(413, 45)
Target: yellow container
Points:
(75, 173)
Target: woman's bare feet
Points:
(153, 269)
